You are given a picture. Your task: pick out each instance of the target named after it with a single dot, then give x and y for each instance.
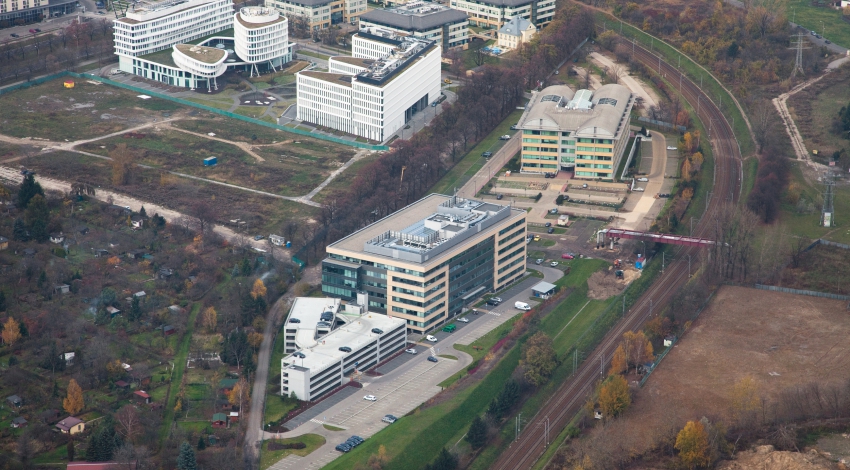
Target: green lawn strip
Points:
(314, 54)
(544, 459)
(271, 457)
(810, 17)
(539, 229)
(276, 407)
(808, 225)
(473, 161)
(179, 369)
(412, 442)
(332, 428)
(197, 427)
(447, 356)
(57, 455)
(710, 85)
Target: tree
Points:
(201, 443)
(135, 309)
(19, 232)
(129, 423)
(210, 319)
(692, 444)
(11, 331)
(618, 361)
(255, 339)
(103, 442)
(239, 394)
(745, 397)
(444, 461)
(36, 217)
(259, 289)
(108, 296)
(204, 215)
(186, 458)
(377, 461)
(614, 396)
(70, 449)
(82, 189)
(477, 434)
(2, 301)
(28, 190)
(539, 359)
(122, 164)
(73, 402)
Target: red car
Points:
(32, 31)
(567, 256)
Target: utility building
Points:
(427, 261)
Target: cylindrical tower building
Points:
(261, 35)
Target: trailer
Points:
(210, 161)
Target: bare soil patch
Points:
(781, 340)
(604, 284)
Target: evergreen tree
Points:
(70, 448)
(135, 309)
(2, 301)
(29, 189)
(142, 212)
(186, 459)
(445, 461)
(36, 216)
(42, 279)
(201, 444)
(249, 365)
(477, 434)
(20, 233)
(103, 442)
(246, 267)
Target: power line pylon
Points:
(828, 211)
(798, 45)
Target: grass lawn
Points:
(694, 71)
(179, 369)
(313, 54)
(473, 161)
(807, 225)
(195, 426)
(251, 111)
(217, 104)
(57, 455)
(275, 407)
(51, 111)
(271, 457)
(345, 179)
(810, 17)
(332, 428)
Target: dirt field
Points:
(603, 284)
(781, 340)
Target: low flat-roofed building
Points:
(309, 319)
(366, 340)
(583, 130)
(432, 21)
(429, 260)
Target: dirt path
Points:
(638, 88)
(781, 105)
(242, 145)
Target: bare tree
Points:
(204, 214)
(764, 122)
(128, 422)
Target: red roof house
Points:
(142, 397)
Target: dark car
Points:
(551, 230)
(432, 359)
(14, 35)
(343, 448)
(499, 197)
(487, 154)
(294, 320)
(548, 224)
(514, 127)
(299, 355)
(258, 237)
(377, 331)
(345, 349)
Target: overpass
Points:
(610, 234)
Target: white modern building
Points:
(377, 91)
(516, 32)
(261, 35)
(426, 20)
(324, 362)
(309, 319)
(493, 14)
(149, 40)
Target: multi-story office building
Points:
(493, 14)
(330, 345)
(516, 32)
(584, 130)
(432, 21)
(14, 12)
(426, 262)
(173, 41)
(321, 14)
(377, 91)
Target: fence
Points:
(662, 124)
(183, 102)
(812, 293)
(635, 145)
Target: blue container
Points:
(210, 161)
(289, 244)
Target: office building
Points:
(586, 131)
(426, 20)
(14, 12)
(493, 14)
(516, 32)
(320, 14)
(332, 346)
(377, 91)
(428, 261)
(189, 43)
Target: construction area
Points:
(605, 284)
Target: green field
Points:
(179, 369)
(466, 168)
(824, 20)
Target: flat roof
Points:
(418, 19)
(601, 113)
(207, 55)
(357, 332)
(337, 78)
(250, 25)
(308, 310)
(543, 286)
(346, 59)
(308, 3)
(425, 225)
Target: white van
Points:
(522, 306)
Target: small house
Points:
(140, 295)
(126, 367)
(516, 32)
(233, 417)
(226, 385)
(219, 420)
(71, 425)
(49, 416)
(142, 397)
(112, 311)
(15, 401)
(669, 340)
(136, 254)
(165, 273)
(175, 309)
(19, 422)
(210, 161)
(168, 330)
(122, 385)
(29, 252)
(62, 289)
(68, 358)
(137, 221)
(277, 240)
(68, 84)
(100, 253)
(57, 238)
(4, 243)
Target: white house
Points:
(516, 32)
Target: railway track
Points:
(568, 399)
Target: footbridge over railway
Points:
(609, 235)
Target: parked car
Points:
(537, 238)
(827, 41)
(32, 31)
(553, 264)
(410, 351)
(538, 261)
(487, 154)
(643, 180)
(432, 359)
(370, 398)
(640, 190)
(299, 355)
(343, 447)
(389, 419)
(294, 320)
(522, 306)
(258, 237)
(432, 339)
(553, 211)
(345, 349)
(548, 224)
(498, 300)
(505, 137)
(514, 127)
(450, 328)
(14, 35)
(567, 256)
(447, 81)
(499, 197)
(463, 320)
(377, 331)
(550, 230)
